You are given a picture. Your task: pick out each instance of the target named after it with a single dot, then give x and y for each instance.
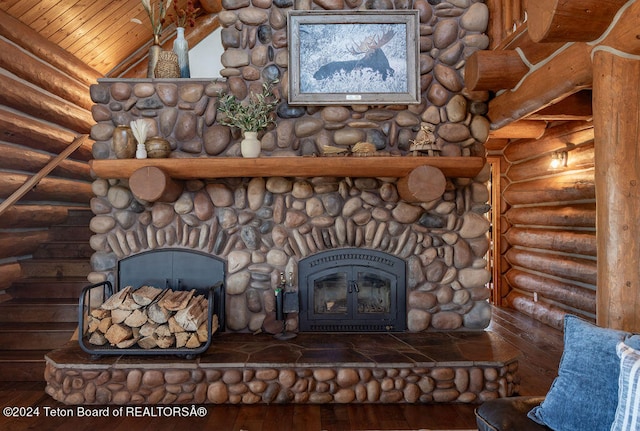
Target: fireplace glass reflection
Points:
(337, 294)
(352, 290)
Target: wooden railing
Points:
(506, 16)
(46, 170)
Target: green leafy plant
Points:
(251, 115)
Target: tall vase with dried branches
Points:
(157, 13)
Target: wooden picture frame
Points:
(349, 58)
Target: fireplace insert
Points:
(354, 290)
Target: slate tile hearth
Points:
(310, 368)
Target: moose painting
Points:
(353, 58)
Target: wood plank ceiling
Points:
(100, 33)
(105, 36)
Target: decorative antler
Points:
(371, 43)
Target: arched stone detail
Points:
(263, 227)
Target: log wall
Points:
(44, 106)
(548, 217)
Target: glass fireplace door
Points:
(351, 297)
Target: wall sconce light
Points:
(559, 160)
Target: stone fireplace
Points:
(358, 251)
(262, 224)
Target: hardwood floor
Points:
(541, 348)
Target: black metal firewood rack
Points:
(215, 295)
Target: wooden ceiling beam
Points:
(578, 106)
(523, 129)
(570, 20)
(494, 70)
(568, 72)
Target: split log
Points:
(152, 184)
(123, 327)
(570, 20)
(119, 315)
(567, 187)
(115, 300)
(48, 189)
(30, 132)
(494, 70)
(118, 333)
(29, 216)
(559, 266)
(193, 315)
(579, 215)
(422, 184)
(572, 295)
(176, 300)
(40, 104)
(158, 314)
(145, 295)
(583, 243)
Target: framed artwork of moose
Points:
(348, 58)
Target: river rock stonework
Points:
(264, 226)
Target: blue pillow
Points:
(584, 395)
(627, 417)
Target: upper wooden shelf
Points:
(226, 167)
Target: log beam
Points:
(423, 184)
(152, 184)
(24, 159)
(29, 216)
(563, 75)
(522, 129)
(49, 189)
(494, 70)
(25, 98)
(567, 187)
(570, 20)
(29, 39)
(617, 175)
(577, 107)
(29, 132)
(42, 75)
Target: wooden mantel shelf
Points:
(226, 167)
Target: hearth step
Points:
(43, 287)
(27, 310)
(57, 268)
(22, 365)
(35, 336)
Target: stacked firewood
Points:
(151, 318)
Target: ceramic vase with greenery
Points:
(250, 116)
